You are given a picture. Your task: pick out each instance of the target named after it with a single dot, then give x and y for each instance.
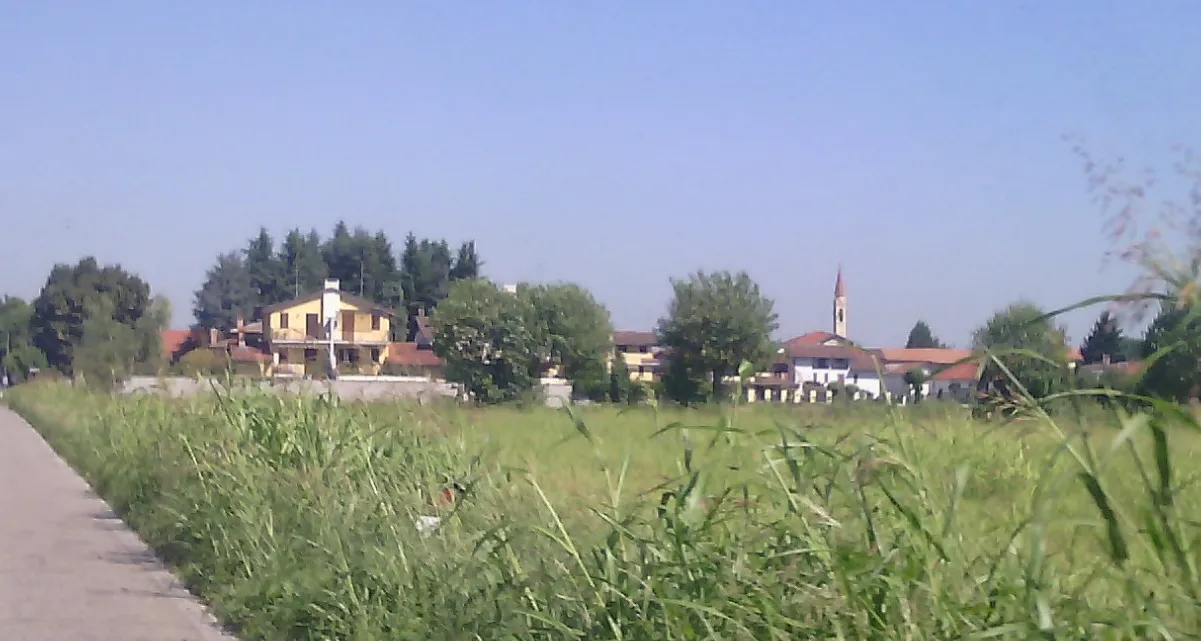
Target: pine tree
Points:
(921, 337)
(1105, 340)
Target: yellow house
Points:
(640, 350)
(306, 335)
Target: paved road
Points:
(69, 568)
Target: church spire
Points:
(840, 306)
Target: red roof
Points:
(173, 341)
(410, 354)
(812, 338)
(934, 356)
(962, 372)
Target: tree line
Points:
(90, 321)
(103, 323)
(241, 282)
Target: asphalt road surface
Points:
(69, 568)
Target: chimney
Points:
(1105, 359)
(421, 312)
(332, 283)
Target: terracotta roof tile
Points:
(173, 341)
(962, 372)
(408, 353)
(812, 338)
(935, 356)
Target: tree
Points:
(342, 256)
(619, 379)
(484, 336)
(467, 262)
(1176, 373)
(303, 265)
(17, 353)
(916, 379)
(226, 294)
(72, 296)
(267, 276)
(1105, 340)
(425, 272)
(920, 337)
(384, 272)
(715, 322)
(1023, 325)
(573, 330)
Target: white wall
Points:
(806, 370)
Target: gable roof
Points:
(635, 338)
(969, 372)
(357, 301)
(814, 338)
(859, 360)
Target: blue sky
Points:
(918, 144)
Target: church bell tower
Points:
(840, 306)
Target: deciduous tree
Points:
(1023, 326)
(715, 321)
(71, 297)
(17, 353)
(572, 328)
(484, 336)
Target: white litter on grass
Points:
(427, 525)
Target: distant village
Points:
(333, 329)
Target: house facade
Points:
(640, 350)
(326, 330)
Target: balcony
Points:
(298, 336)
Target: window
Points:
(841, 363)
(283, 356)
(840, 315)
(283, 320)
(375, 354)
(642, 349)
(310, 354)
(375, 322)
(855, 379)
(822, 363)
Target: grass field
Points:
(295, 518)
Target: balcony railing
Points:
(339, 336)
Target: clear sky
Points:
(615, 144)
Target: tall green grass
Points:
(294, 518)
